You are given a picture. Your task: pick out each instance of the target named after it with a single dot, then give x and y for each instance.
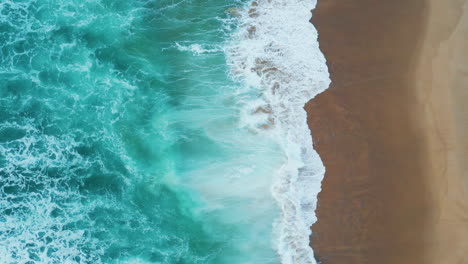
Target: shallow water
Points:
(126, 136)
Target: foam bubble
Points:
(197, 49)
(275, 51)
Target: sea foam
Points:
(275, 51)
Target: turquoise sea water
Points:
(124, 138)
(115, 140)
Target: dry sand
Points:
(441, 80)
(391, 132)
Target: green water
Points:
(120, 143)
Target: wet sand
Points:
(390, 131)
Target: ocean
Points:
(157, 131)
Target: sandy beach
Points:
(390, 131)
(442, 90)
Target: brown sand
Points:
(390, 131)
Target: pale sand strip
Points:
(442, 82)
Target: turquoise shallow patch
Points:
(119, 137)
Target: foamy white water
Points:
(276, 51)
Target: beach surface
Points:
(390, 131)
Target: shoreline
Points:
(276, 52)
(389, 133)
